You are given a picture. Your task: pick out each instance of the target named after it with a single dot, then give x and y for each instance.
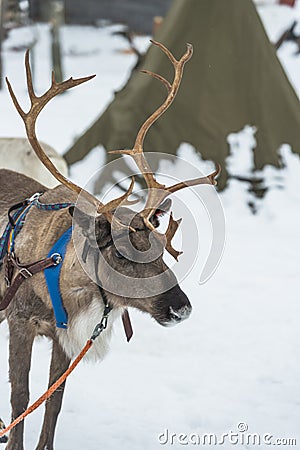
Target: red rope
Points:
(50, 391)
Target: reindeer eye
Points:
(119, 255)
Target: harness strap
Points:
(52, 262)
(52, 276)
(16, 217)
(127, 325)
(12, 228)
(20, 206)
(25, 271)
(125, 316)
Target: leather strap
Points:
(125, 316)
(28, 270)
(127, 325)
(25, 271)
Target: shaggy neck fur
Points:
(85, 307)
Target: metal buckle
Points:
(34, 197)
(57, 258)
(104, 321)
(11, 255)
(102, 325)
(25, 273)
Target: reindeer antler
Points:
(157, 192)
(29, 119)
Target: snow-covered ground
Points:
(237, 358)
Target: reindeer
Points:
(114, 232)
(16, 154)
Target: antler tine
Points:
(14, 99)
(166, 238)
(157, 192)
(172, 91)
(29, 119)
(171, 230)
(113, 204)
(209, 179)
(178, 66)
(137, 151)
(159, 195)
(166, 51)
(31, 92)
(165, 82)
(174, 224)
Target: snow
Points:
(236, 358)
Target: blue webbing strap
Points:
(52, 275)
(17, 218)
(52, 206)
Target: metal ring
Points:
(57, 258)
(34, 197)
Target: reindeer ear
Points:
(102, 229)
(91, 227)
(160, 211)
(83, 220)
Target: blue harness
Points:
(58, 250)
(52, 275)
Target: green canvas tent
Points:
(233, 79)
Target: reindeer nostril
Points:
(180, 314)
(174, 315)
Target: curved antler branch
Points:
(209, 179)
(113, 204)
(30, 89)
(165, 82)
(137, 151)
(178, 67)
(29, 119)
(14, 99)
(157, 192)
(171, 230)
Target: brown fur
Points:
(30, 313)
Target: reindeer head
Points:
(129, 264)
(127, 249)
